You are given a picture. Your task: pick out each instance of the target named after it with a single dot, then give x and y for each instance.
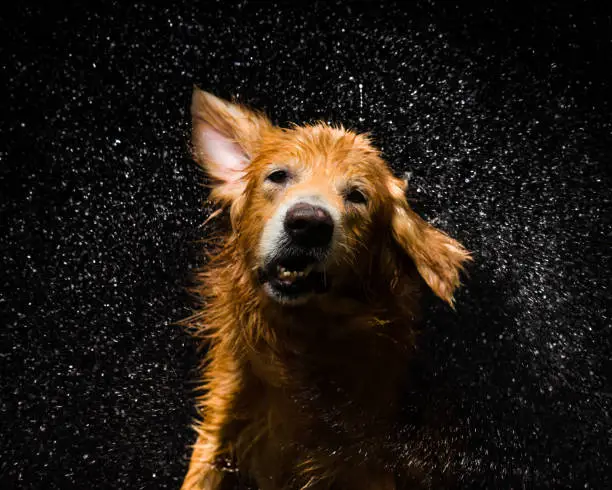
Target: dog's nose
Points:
(308, 225)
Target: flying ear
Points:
(225, 137)
(438, 258)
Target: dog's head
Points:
(314, 209)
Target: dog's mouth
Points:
(291, 280)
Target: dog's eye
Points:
(278, 176)
(355, 196)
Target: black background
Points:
(502, 115)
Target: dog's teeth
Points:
(290, 275)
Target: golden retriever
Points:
(310, 303)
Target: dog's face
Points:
(313, 207)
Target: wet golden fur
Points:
(298, 397)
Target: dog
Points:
(311, 303)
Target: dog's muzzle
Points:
(296, 268)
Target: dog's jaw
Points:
(292, 280)
(284, 299)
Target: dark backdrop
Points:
(502, 114)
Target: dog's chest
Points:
(331, 386)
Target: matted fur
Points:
(300, 397)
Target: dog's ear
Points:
(225, 137)
(438, 258)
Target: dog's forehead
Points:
(324, 148)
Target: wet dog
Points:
(311, 303)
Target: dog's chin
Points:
(287, 298)
(293, 280)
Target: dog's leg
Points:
(218, 429)
(202, 474)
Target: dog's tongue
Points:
(287, 281)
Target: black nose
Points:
(308, 225)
